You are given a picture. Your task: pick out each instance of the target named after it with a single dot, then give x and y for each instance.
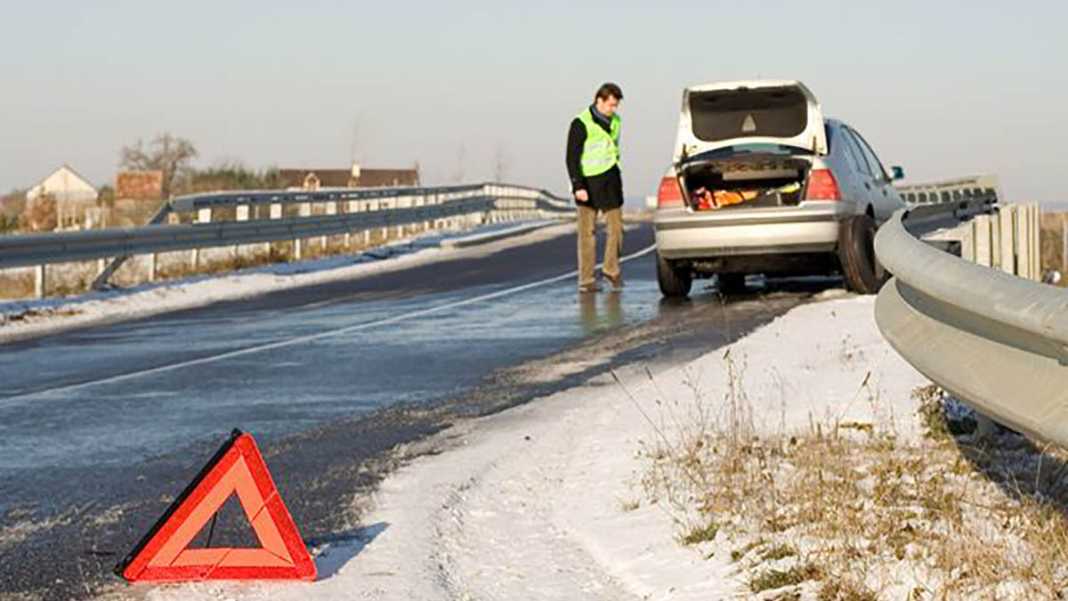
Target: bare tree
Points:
(40, 214)
(13, 203)
(501, 162)
(167, 153)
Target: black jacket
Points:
(605, 190)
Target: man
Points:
(597, 184)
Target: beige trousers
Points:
(587, 242)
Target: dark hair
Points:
(608, 90)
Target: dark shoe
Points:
(616, 281)
(589, 288)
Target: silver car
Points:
(761, 182)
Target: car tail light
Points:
(669, 194)
(822, 186)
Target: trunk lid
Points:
(720, 115)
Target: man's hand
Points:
(581, 196)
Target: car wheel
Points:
(674, 282)
(856, 252)
(731, 283)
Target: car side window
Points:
(853, 150)
(869, 154)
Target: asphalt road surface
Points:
(100, 428)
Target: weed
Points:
(836, 589)
(972, 518)
(779, 551)
(775, 579)
(701, 534)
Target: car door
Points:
(862, 174)
(884, 196)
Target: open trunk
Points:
(744, 180)
(719, 116)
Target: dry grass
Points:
(701, 534)
(16, 285)
(856, 514)
(773, 579)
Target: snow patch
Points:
(542, 501)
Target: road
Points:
(99, 428)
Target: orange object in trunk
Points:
(706, 200)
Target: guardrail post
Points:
(983, 254)
(995, 241)
(331, 209)
(240, 214)
(40, 281)
(350, 207)
(1023, 258)
(203, 216)
(1007, 260)
(381, 205)
(366, 206)
(1026, 256)
(273, 212)
(304, 210)
(1036, 242)
(967, 244)
(153, 266)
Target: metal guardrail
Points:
(374, 208)
(995, 341)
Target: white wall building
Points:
(72, 192)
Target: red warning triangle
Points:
(237, 468)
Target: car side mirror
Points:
(897, 172)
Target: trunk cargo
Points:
(750, 181)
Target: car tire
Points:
(856, 252)
(731, 283)
(674, 282)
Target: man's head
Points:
(607, 98)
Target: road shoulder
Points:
(546, 500)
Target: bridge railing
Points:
(347, 210)
(996, 341)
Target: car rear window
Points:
(766, 112)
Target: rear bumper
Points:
(811, 228)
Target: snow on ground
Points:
(539, 502)
(22, 319)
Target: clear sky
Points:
(943, 88)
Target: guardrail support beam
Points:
(101, 280)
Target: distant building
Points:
(72, 193)
(951, 190)
(139, 185)
(355, 177)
